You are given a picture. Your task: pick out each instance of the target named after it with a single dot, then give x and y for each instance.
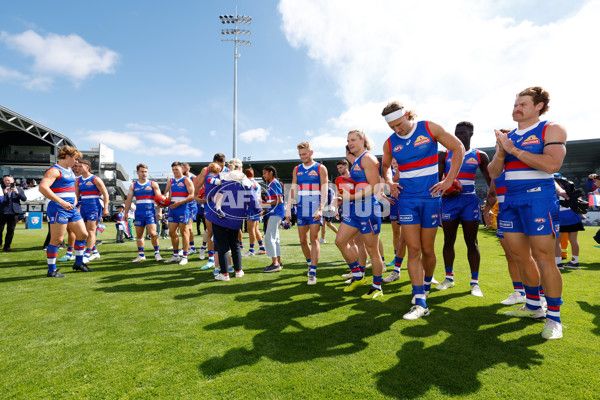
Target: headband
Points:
(394, 115)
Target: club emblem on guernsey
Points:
(422, 140)
(531, 140)
(398, 148)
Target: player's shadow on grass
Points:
(453, 366)
(151, 280)
(595, 311)
(294, 329)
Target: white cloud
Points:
(452, 61)
(149, 141)
(254, 135)
(67, 56)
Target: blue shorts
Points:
(90, 212)
(179, 215)
(58, 215)
(370, 224)
(193, 209)
(394, 211)
(533, 217)
(425, 212)
(254, 218)
(305, 216)
(465, 207)
(145, 218)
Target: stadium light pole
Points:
(235, 20)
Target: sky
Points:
(153, 80)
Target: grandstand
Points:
(28, 148)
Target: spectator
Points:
(237, 188)
(10, 208)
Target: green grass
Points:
(153, 330)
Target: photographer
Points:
(10, 208)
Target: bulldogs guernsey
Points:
(90, 195)
(522, 181)
(144, 198)
(417, 157)
(468, 169)
(368, 205)
(64, 186)
(309, 189)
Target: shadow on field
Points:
(595, 311)
(473, 345)
(151, 280)
(294, 331)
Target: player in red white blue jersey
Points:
(529, 155)
(309, 184)
(93, 205)
(364, 215)
(414, 145)
(58, 185)
(180, 191)
(143, 191)
(464, 208)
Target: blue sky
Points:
(153, 81)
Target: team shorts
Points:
(193, 210)
(371, 224)
(90, 212)
(145, 218)
(58, 215)
(394, 211)
(465, 207)
(256, 218)
(305, 216)
(179, 215)
(425, 212)
(533, 217)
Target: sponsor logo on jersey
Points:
(472, 160)
(313, 173)
(398, 148)
(422, 140)
(531, 140)
(505, 224)
(540, 220)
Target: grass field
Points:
(152, 330)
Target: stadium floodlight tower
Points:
(235, 20)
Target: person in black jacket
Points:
(10, 208)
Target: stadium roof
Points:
(19, 130)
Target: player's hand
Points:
(395, 189)
(504, 142)
(440, 188)
(317, 215)
(67, 206)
